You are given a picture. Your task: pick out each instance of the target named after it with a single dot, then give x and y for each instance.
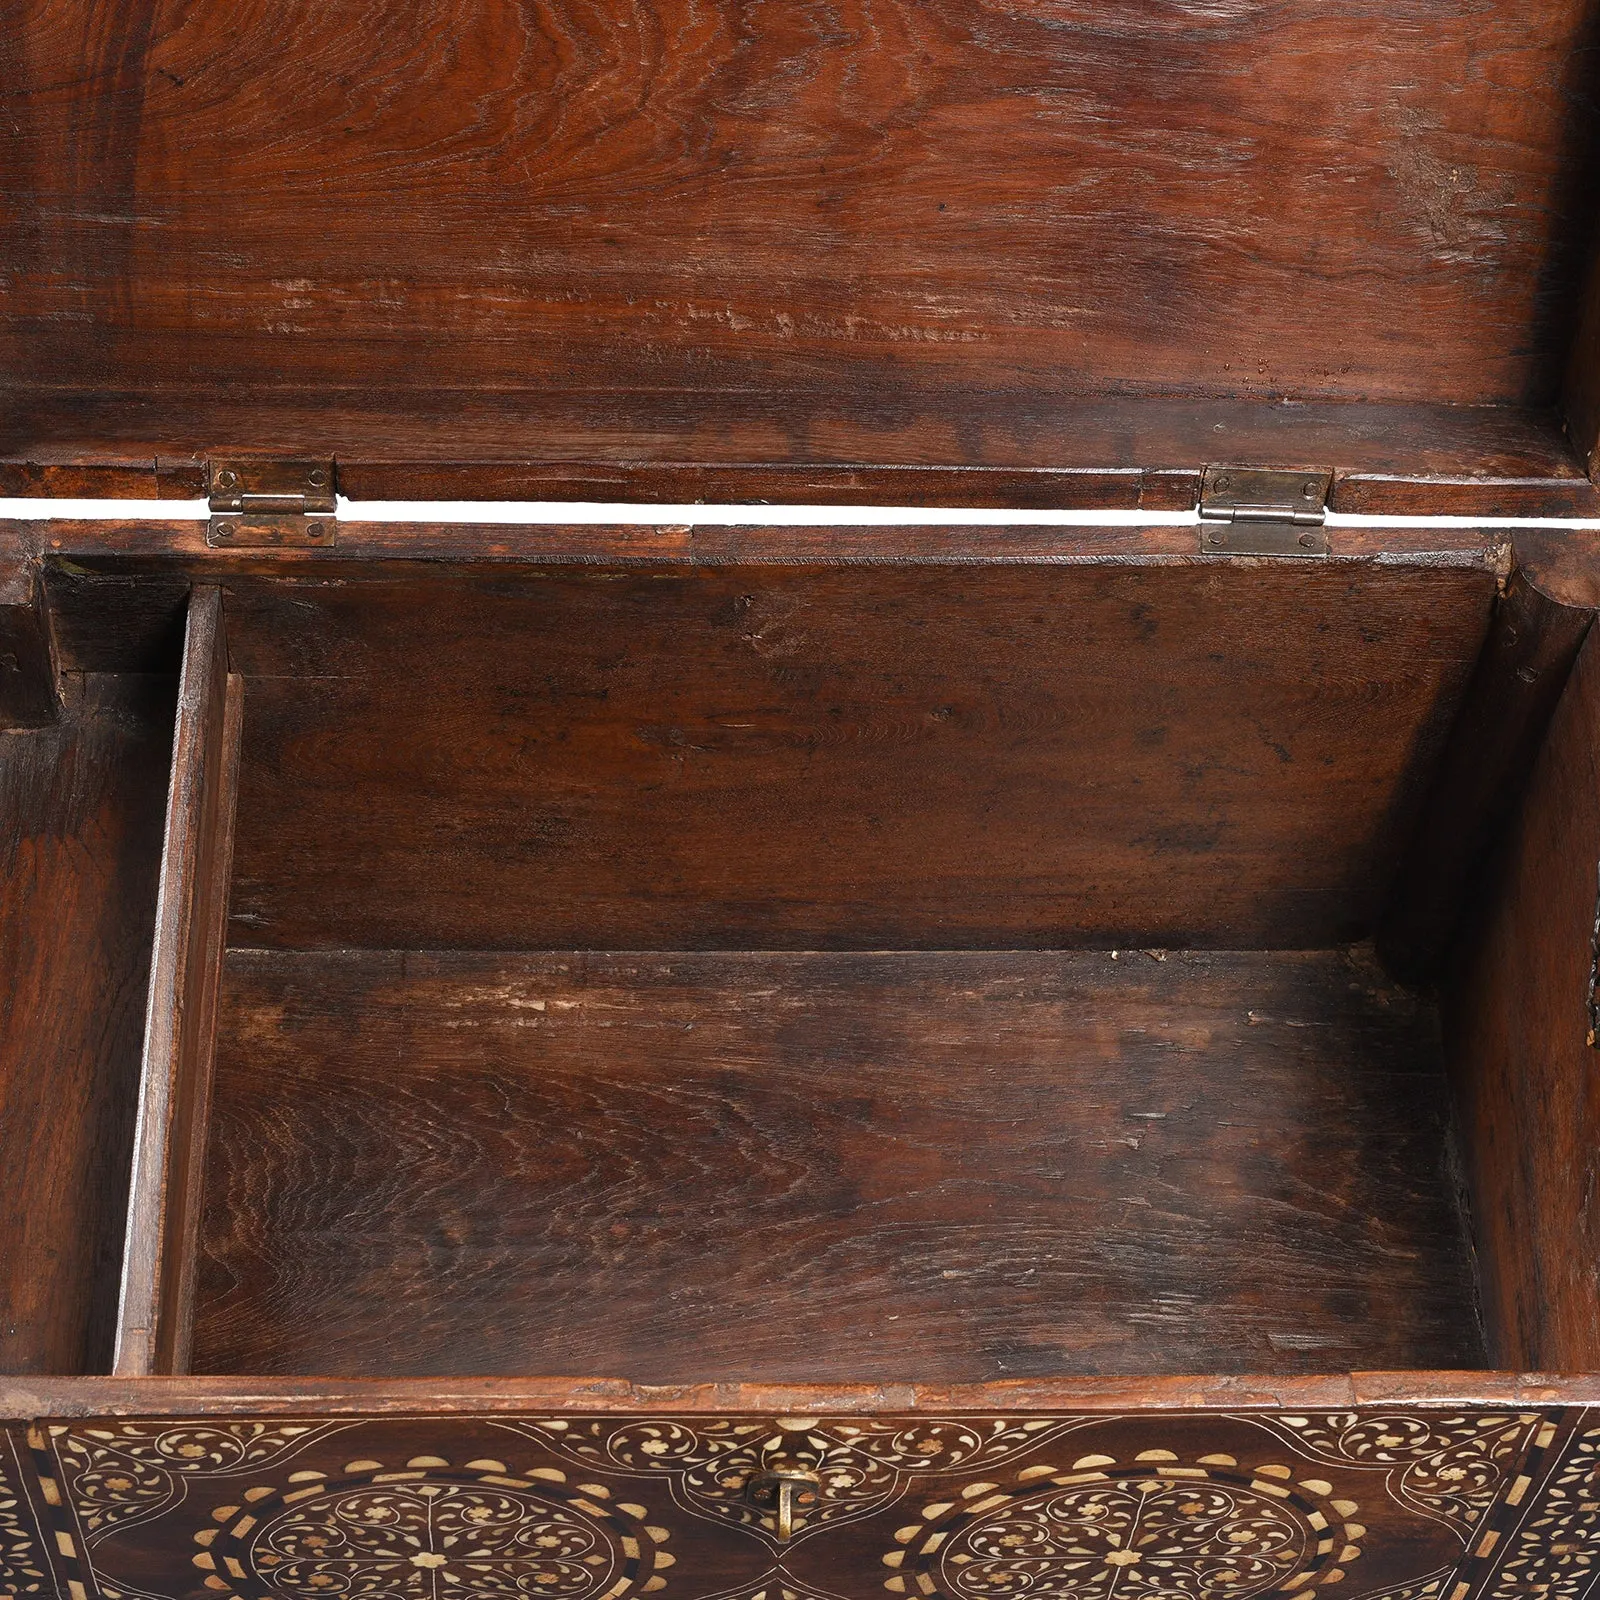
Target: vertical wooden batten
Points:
(153, 1326)
(28, 696)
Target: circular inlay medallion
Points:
(1168, 1532)
(432, 1534)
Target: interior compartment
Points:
(81, 806)
(819, 972)
(793, 971)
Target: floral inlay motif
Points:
(118, 1477)
(1556, 1552)
(429, 1532)
(1423, 1589)
(1449, 1466)
(1150, 1529)
(22, 1563)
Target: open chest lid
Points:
(969, 252)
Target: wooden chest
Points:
(964, 1059)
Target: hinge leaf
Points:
(1264, 511)
(261, 502)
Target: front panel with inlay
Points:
(1391, 1503)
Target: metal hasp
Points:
(258, 503)
(1262, 511)
(785, 1486)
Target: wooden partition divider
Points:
(156, 1310)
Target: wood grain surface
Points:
(27, 1399)
(858, 1168)
(881, 202)
(1527, 658)
(80, 848)
(1581, 397)
(1527, 1077)
(801, 757)
(117, 589)
(28, 696)
(1005, 448)
(158, 1266)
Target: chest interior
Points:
(837, 955)
(783, 969)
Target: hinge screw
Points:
(317, 477)
(1224, 483)
(222, 534)
(1306, 541)
(1216, 538)
(1310, 490)
(227, 480)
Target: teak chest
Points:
(972, 1061)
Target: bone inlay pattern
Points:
(1471, 1504)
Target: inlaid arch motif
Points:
(1153, 1528)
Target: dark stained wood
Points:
(901, 199)
(117, 590)
(80, 845)
(798, 757)
(1483, 495)
(996, 449)
(180, 1028)
(860, 1168)
(1527, 657)
(27, 663)
(26, 1399)
(1527, 1077)
(1562, 563)
(1581, 398)
(568, 248)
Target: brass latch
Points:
(785, 1486)
(1259, 511)
(256, 503)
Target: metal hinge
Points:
(1259, 511)
(257, 503)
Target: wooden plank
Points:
(873, 206)
(180, 1029)
(1532, 644)
(854, 1168)
(27, 1399)
(826, 756)
(1001, 450)
(80, 847)
(117, 590)
(1518, 1022)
